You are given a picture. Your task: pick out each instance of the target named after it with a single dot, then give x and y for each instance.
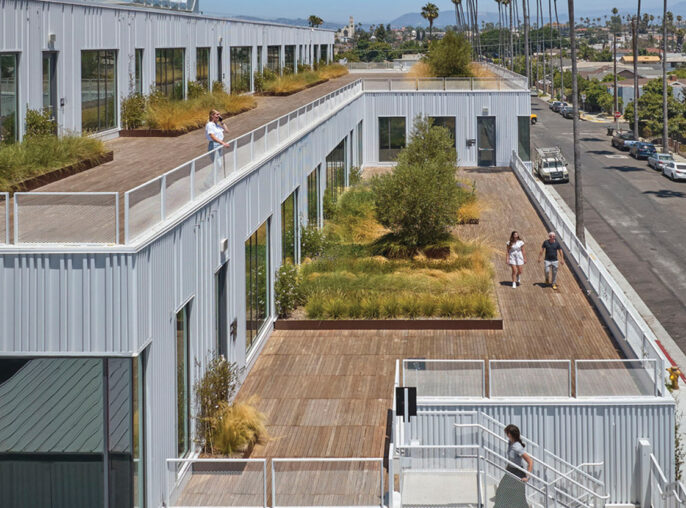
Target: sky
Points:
(375, 11)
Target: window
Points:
(138, 424)
(8, 104)
(391, 137)
(183, 384)
(447, 122)
(360, 159)
(170, 76)
(289, 58)
(138, 83)
(313, 197)
(220, 69)
(98, 90)
(524, 137)
(323, 57)
(274, 58)
(256, 283)
(50, 83)
(289, 228)
(202, 67)
(335, 176)
(259, 58)
(221, 311)
(241, 69)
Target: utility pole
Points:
(614, 63)
(634, 28)
(578, 189)
(665, 118)
(525, 12)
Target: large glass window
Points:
(360, 159)
(138, 83)
(259, 58)
(274, 58)
(183, 382)
(392, 137)
(8, 98)
(313, 197)
(74, 427)
(335, 174)
(524, 138)
(220, 68)
(241, 69)
(221, 310)
(98, 90)
(170, 71)
(289, 228)
(202, 67)
(447, 122)
(50, 83)
(289, 58)
(323, 53)
(256, 283)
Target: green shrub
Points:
(314, 308)
(217, 386)
(195, 89)
(355, 176)
(329, 204)
(287, 290)
(133, 111)
(218, 87)
(450, 56)
(313, 241)
(40, 124)
(420, 199)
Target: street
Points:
(637, 215)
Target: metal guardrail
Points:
(158, 199)
(635, 331)
(441, 84)
(4, 217)
(664, 494)
(516, 379)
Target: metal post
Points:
(381, 505)
(273, 486)
(264, 483)
(643, 480)
(116, 218)
(16, 219)
(192, 179)
(126, 218)
(163, 200)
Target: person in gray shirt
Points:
(553, 257)
(511, 492)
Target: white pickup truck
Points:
(550, 165)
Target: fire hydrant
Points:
(674, 374)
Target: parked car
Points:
(675, 170)
(642, 150)
(567, 112)
(555, 104)
(620, 139)
(658, 160)
(534, 118)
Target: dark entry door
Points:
(50, 84)
(485, 140)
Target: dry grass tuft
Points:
(238, 427)
(479, 71)
(420, 70)
(292, 83)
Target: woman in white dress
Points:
(515, 257)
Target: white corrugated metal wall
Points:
(465, 106)
(579, 432)
(26, 25)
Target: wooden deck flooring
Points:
(327, 394)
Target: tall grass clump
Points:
(238, 427)
(270, 83)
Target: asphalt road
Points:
(636, 215)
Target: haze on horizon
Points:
(384, 11)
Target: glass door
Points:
(485, 140)
(50, 84)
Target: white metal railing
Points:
(662, 493)
(446, 378)
(504, 73)
(315, 482)
(158, 199)
(4, 217)
(529, 378)
(66, 217)
(441, 84)
(635, 331)
(234, 482)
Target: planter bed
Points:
(285, 94)
(388, 324)
(60, 173)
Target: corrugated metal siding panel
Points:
(466, 106)
(576, 432)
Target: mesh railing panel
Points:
(4, 215)
(259, 143)
(486, 84)
(220, 483)
(229, 165)
(377, 84)
(527, 378)
(178, 189)
(243, 152)
(444, 378)
(272, 135)
(205, 166)
(327, 483)
(66, 217)
(145, 207)
(458, 84)
(430, 84)
(403, 84)
(615, 378)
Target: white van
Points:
(550, 165)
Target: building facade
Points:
(79, 59)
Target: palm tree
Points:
(315, 21)
(578, 192)
(550, 62)
(615, 24)
(459, 15)
(526, 42)
(665, 119)
(500, 30)
(430, 12)
(559, 30)
(635, 51)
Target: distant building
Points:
(347, 32)
(642, 59)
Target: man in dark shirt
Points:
(553, 252)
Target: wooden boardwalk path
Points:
(327, 394)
